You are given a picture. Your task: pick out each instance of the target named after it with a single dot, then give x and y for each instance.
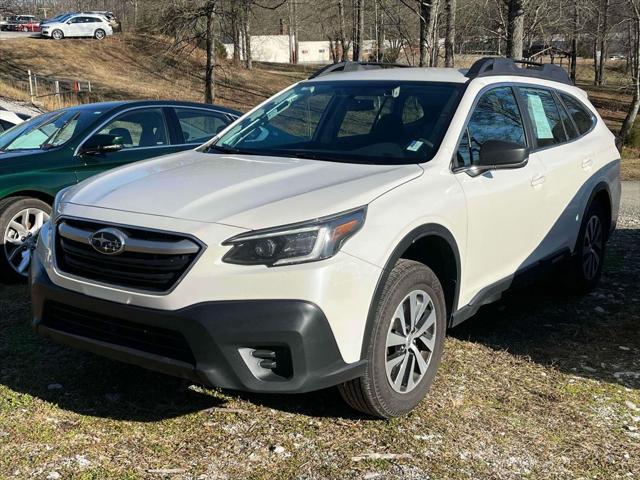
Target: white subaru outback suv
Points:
(333, 234)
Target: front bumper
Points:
(222, 338)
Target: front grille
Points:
(150, 261)
(96, 326)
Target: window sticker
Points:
(536, 109)
(415, 145)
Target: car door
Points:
(141, 133)
(503, 205)
(74, 27)
(553, 131)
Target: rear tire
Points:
(584, 269)
(100, 34)
(405, 348)
(20, 221)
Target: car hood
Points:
(240, 190)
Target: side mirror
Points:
(499, 155)
(101, 144)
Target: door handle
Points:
(587, 163)
(538, 180)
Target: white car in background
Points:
(10, 119)
(80, 25)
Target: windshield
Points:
(46, 131)
(354, 122)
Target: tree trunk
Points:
(235, 30)
(425, 15)
(596, 56)
(342, 37)
(433, 33)
(247, 36)
(382, 36)
(209, 78)
(632, 113)
(450, 36)
(358, 30)
(603, 41)
(296, 40)
(515, 29)
(574, 41)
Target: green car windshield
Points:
(46, 131)
(379, 122)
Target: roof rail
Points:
(491, 66)
(354, 66)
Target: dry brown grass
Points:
(134, 67)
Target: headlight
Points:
(297, 243)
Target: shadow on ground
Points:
(597, 336)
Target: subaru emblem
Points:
(108, 241)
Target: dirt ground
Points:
(536, 386)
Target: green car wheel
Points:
(20, 222)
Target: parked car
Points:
(111, 18)
(78, 25)
(58, 149)
(23, 23)
(332, 235)
(58, 18)
(11, 119)
(4, 23)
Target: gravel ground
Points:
(630, 205)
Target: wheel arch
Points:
(601, 193)
(40, 195)
(433, 245)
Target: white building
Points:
(277, 48)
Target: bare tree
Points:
(450, 34)
(344, 46)
(632, 113)
(515, 28)
(427, 15)
(210, 71)
(358, 30)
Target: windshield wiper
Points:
(235, 151)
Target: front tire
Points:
(20, 221)
(406, 344)
(57, 34)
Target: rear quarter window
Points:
(581, 115)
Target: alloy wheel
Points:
(411, 341)
(592, 248)
(20, 238)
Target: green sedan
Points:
(57, 149)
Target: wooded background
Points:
(417, 32)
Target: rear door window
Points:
(548, 129)
(200, 126)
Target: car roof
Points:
(124, 104)
(411, 74)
